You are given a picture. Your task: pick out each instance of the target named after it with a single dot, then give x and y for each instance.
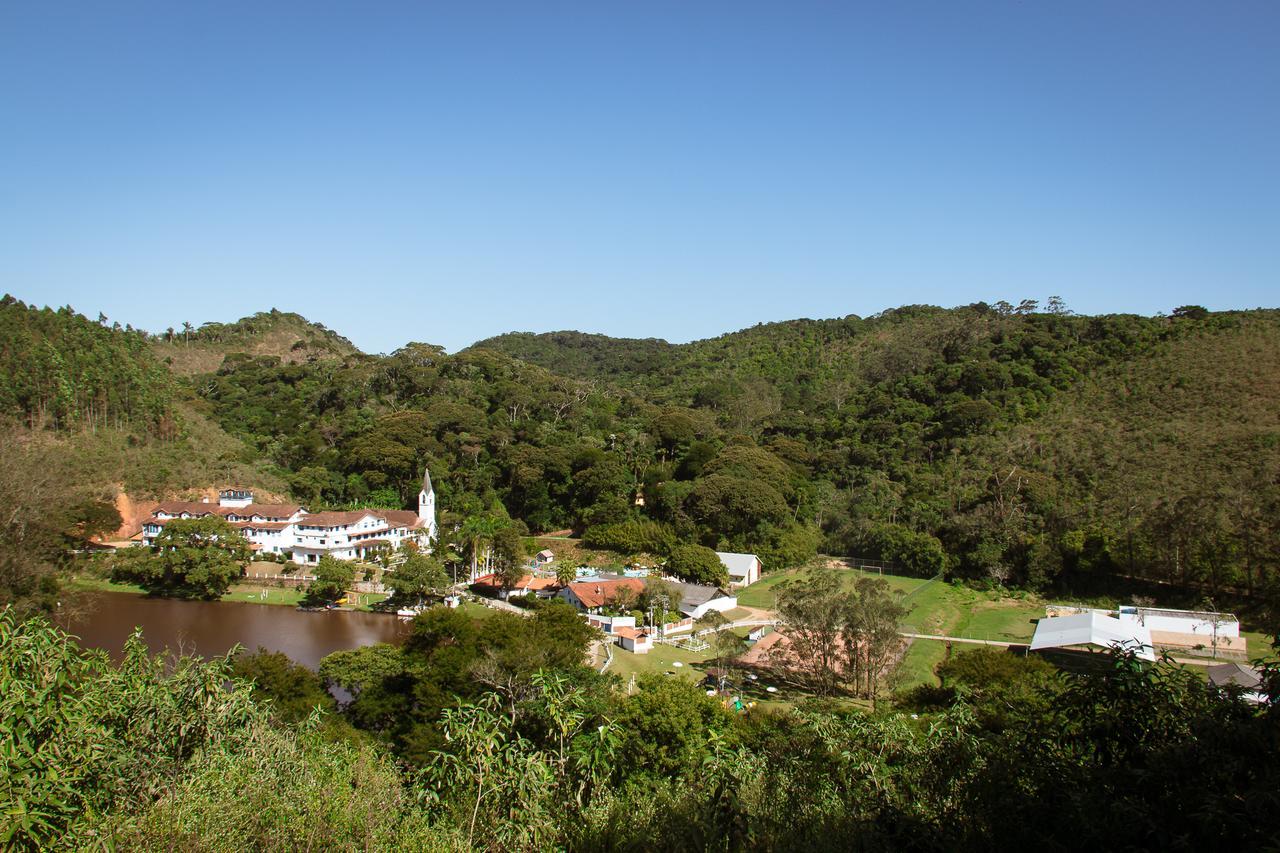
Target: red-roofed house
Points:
(541, 587)
(592, 595)
(636, 640)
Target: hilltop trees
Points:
(191, 558)
(62, 370)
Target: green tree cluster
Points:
(191, 558)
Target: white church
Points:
(305, 537)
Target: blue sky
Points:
(444, 172)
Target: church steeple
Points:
(427, 505)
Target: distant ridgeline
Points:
(60, 369)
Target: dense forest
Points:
(1004, 444)
(62, 371)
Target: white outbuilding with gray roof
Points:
(744, 569)
(1092, 629)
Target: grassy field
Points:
(763, 593)
(259, 594)
(918, 666)
(88, 582)
(1260, 646)
(245, 593)
(476, 610)
(660, 660)
(933, 607)
(694, 667)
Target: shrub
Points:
(631, 537)
(697, 564)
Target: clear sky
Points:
(444, 172)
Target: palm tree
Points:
(186, 332)
(477, 532)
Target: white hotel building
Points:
(305, 537)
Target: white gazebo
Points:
(1092, 629)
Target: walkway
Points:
(944, 638)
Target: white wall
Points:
(721, 604)
(1183, 625)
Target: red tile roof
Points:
(598, 593)
(529, 582)
(265, 510)
(335, 518)
(399, 517)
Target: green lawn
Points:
(1260, 646)
(763, 593)
(660, 660)
(917, 667)
(254, 594)
(476, 610)
(88, 582)
(958, 611)
(245, 592)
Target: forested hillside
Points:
(1029, 444)
(1000, 443)
(62, 371)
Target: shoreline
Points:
(243, 592)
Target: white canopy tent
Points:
(1092, 629)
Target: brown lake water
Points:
(211, 628)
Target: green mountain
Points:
(113, 413)
(993, 442)
(1032, 446)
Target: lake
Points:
(211, 628)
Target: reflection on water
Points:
(211, 628)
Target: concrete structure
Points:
(1092, 629)
(290, 530)
(1173, 629)
(1187, 628)
(744, 569)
